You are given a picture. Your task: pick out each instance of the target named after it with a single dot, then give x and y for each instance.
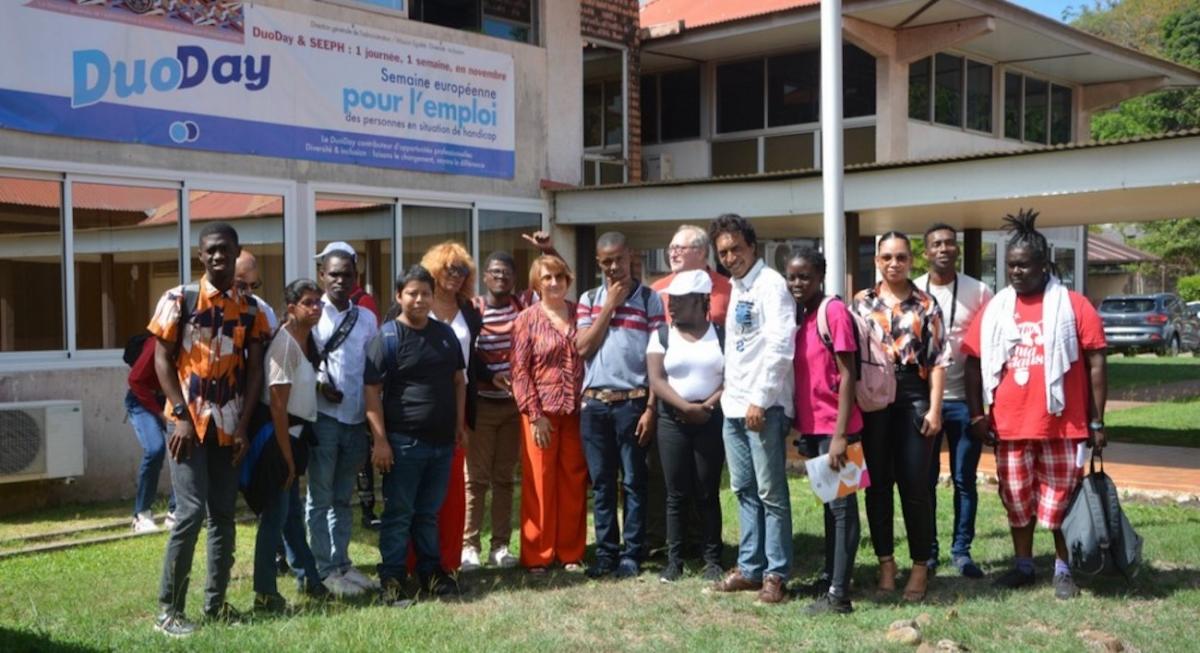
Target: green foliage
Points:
(1189, 288)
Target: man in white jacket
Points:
(757, 404)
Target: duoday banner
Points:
(234, 77)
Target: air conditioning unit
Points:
(658, 167)
(40, 440)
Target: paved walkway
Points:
(1141, 467)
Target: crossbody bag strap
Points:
(341, 333)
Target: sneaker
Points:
(393, 594)
(1015, 578)
(672, 572)
(967, 567)
(224, 613)
(829, 604)
(1065, 587)
(627, 568)
(441, 584)
(815, 589)
(371, 522)
(772, 590)
(574, 568)
(712, 572)
(600, 570)
(170, 521)
(470, 559)
(337, 584)
(734, 581)
(143, 522)
(362, 580)
(272, 603)
(500, 557)
(316, 591)
(173, 624)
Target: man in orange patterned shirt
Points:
(208, 359)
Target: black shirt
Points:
(418, 384)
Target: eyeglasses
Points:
(458, 270)
(499, 274)
(679, 248)
(899, 258)
(249, 286)
(312, 303)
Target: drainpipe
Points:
(831, 147)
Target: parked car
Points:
(1160, 323)
(1194, 307)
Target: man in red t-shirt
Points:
(1046, 384)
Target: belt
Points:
(613, 396)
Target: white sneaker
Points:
(339, 586)
(500, 557)
(170, 521)
(470, 559)
(362, 580)
(143, 522)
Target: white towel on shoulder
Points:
(999, 337)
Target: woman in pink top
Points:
(826, 416)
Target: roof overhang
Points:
(1092, 183)
(1023, 38)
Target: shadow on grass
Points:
(1185, 437)
(23, 640)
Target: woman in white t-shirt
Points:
(687, 377)
(290, 392)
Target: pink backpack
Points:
(875, 387)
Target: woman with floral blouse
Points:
(898, 440)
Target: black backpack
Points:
(664, 334)
(1100, 539)
(133, 346)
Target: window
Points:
(258, 220)
(423, 227)
(858, 145)
(979, 96)
(507, 19)
(858, 82)
(951, 90)
(649, 99)
(740, 96)
(1036, 110)
(603, 114)
(789, 152)
(31, 276)
(501, 231)
(735, 157)
(793, 88)
(126, 256)
(680, 103)
(367, 226)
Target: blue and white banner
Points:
(231, 77)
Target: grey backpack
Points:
(1100, 540)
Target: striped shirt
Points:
(620, 362)
(547, 372)
(495, 342)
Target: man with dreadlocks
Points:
(1036, 356)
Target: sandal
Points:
(912, 593)
(887, 574)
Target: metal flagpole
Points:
(831, 147)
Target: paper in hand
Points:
(829, 484)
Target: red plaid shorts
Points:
(1037, 478)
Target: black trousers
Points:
(692, 458)
(898, 455)
(842, 528)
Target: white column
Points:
(831, 147)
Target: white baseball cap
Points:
(690, 281)
(337, 245)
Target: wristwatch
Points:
(179, 411)
(1095, 425)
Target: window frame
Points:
(997, 94)
(658, 113)
(1051, 84)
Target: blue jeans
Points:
(610, 446)
(333, 464)
(758, 475)
(282, 517)
(964, 459)
(152, 435)
(413, 492)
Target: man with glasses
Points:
(342, 336)
(247, 282)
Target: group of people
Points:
(629, 387)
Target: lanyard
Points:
(953, 300)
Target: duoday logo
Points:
(96, 75)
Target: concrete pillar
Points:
(850, 251)
(564, 100)
(972, 252)
(891, 109)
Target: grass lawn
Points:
(1170, 423)
(1143, 371)
(103, 597)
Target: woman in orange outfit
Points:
(547, 374)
